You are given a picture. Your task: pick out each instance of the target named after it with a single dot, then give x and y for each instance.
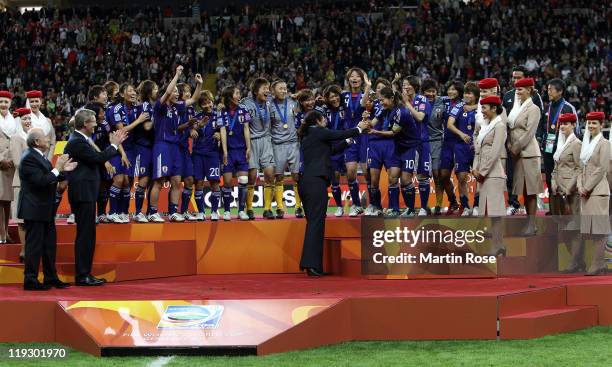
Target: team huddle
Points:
(191, 139)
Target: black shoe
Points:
(251, 214)
(89, 281)
(437, 211)
(57, 284)
(35, 286)
(452, 208)
(600, 271)
(267, 214)
(299, 213)
(280, 214)
(312, 272)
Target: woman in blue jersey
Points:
(234, 122)
(143, 145)
(167, 159)
(335, 113)
(356, 153)
(420, 109)
(381, 151)
(447, 155)
(124, 116)
(461, 123)
(205, 155)
(187, 129)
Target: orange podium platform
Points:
(235, 288)
(270, 313)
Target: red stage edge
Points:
(514, 315)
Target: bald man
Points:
(36, 207)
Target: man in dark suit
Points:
(83, 187)
(36, 207)
(318, 144)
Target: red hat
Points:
(34, 94)
(596, 116)
(525, 82)
(22, 111)
(488, 83)
(494, 100)
(567, 117)
(6, 94)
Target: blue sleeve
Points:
(247, 117)
(118, 116)
(456, 111)
(160, 108)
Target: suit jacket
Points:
(593, 177)
(84, 181)
(566, 172)
(319, 145)
(38, 185)
(522, 136)
(488, 154)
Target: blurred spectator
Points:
(309, 44)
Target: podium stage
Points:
(234, 288)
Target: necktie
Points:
(93, 145)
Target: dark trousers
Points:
(85, 242)
(313, 191)
(40, 242)
(512, 199)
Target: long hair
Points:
(388, 92)
(111, 87)
(458, 87)
(145, 90)
(359, 71)
(227, 95)
(311, 119)
(122, 89)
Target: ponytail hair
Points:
(388, 92)
(311, 119)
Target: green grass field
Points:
(591, 347)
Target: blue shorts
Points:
(337, 163)
(447, 155)
(352, 152)
(167, 160)
(363, 147)
(236, 161)
(301, 167)
(142, 165)
(424, 163)
(407, 158)
(207, 165)
(187, 162)
(464, 157)
(120, 169)
(382, 153)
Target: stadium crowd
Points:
(63, 52)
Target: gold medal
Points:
(231, 133)
(552, 126)
(286, 126)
